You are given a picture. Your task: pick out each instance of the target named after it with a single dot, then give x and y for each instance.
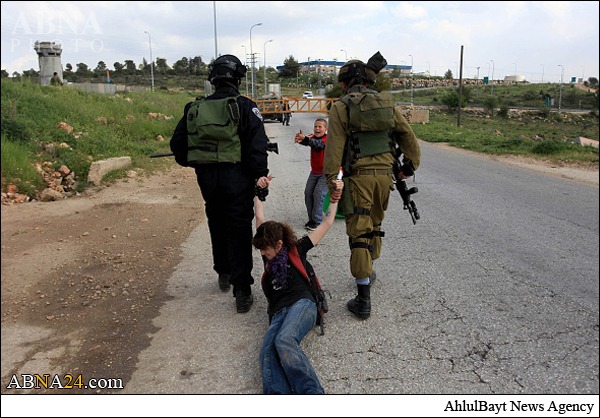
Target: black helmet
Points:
(357, 72)
(226, 67)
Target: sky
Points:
(540, 40)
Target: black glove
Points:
(261, 192)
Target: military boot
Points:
(361, 304)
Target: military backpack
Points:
(212, 128)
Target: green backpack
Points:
(371, 120)
(212, 127)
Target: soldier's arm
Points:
(336, 139)
(408, 143)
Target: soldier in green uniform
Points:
(367, 134)
(55, 80)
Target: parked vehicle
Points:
(270, 107)
(307, 95)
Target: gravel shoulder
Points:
(82, 278)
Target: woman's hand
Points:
(264, 181)
(335, 196)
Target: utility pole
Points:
(151, 61)
(560, 89)
(412, 81)
(492, 80)
(265, 63)
(246, 64)
(460, 89)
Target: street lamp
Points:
(428, 69)
(492, 81)
(515, 68)
(265, 62)
(335, 68)
(246, 64)
(215, 25)
(252, 57)
(346, 54)
(478, 74)
(151, 62)
(560, 89)
(412, 82)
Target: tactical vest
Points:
(212, 127)
(371, 119)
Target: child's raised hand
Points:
(299, 137)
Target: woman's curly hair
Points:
(270, 232)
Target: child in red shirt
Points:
(316, 189)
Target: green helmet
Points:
(357, 72)
(353, 72)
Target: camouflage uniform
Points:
(368, 185)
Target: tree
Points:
(382, 82)
(291, 67)
(490, 104)
(182, 66)
(161, 65)
(30, 74)
(83, 70)
(130, 67)
(448, 75)
(4, 74)
(100, 69)
(118, 67)
(198, 67)
(450, 99)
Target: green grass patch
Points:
(103, 126)
(18, 170)
(531, 135)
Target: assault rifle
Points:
(405, 193)
(271, 147)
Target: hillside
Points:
(51, 135)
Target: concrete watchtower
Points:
(49, 59)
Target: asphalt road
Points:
(493, 291)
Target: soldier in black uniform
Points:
(228, 188)
(374, 129)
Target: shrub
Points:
(14, 130)
(503, 111)
(490, 104)
(548, 148)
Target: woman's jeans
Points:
(284, 367)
